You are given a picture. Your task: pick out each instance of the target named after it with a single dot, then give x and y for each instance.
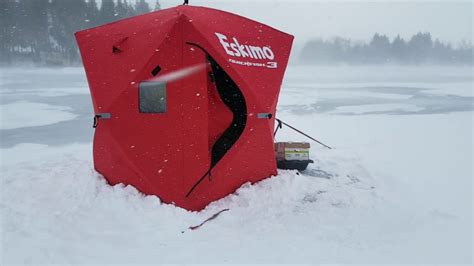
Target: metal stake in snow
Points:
(214, 216)
(299, 131)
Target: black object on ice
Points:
(292, 155)
(299, 165)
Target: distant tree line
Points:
(419, 49)
(42, 31)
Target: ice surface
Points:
(397, 188)
(25, 114)
(375, 108)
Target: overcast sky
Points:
(447, 20)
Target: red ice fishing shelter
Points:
(185, 101)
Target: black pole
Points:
(277, 127)
(302, 133)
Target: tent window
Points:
(152, 97)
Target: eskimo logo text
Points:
(236, 49)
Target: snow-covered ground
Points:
(397, 188)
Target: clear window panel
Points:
(152, 97)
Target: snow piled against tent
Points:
(54, 201)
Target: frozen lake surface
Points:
(397, 188)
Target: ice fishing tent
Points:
(185, 101)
